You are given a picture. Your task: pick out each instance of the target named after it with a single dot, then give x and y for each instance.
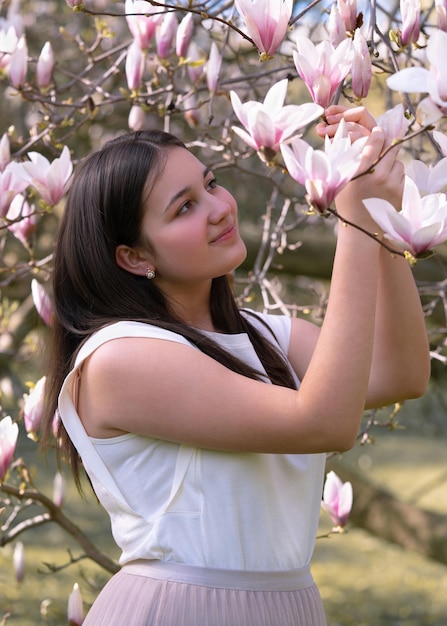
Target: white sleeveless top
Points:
(176, 503)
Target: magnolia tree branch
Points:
(54, 514)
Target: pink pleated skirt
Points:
(148, 593)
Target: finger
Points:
(358, 115)
(373, 149)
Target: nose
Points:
(219, 209)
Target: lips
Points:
(225, 234)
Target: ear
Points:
(132, 260)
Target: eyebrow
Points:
(183, 191)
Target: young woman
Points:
(203, 428)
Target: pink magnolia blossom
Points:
(45, 66)
(361, 71)
(75, 613)
(267, 22)
(22, 219)
(336, 26)
(49, 179)
(18, 64)
(58, 489)
(191, 111)
(9, 39)
(419, 226)
(135, 120)
(410, 11)
(75, 4)
(428, 178)
(337, 499)
(322, 67)
(5, 152)
(323, 173)
(165, 34)
(33, 407)
(195, 63)
(441, 14)
(441, 139)
(184, 35)
(348, 12)
(432, 81)
(18, 561)
(11, 184)
(9, 432)
(212, 69)
(134, 66)
(42, 301)
(142, 19)
(269, 123)
(394, 123)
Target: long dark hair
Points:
(105, 209)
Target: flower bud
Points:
(18, 560)
(45, 66)
(75, 612)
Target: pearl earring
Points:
(150, 274)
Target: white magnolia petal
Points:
(386, 217)
(276, 95)
(410, 80)
(245, 137)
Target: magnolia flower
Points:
(49, 179)
(267, 22)
(134, 66)
(165, 34)
(18, 64)
(142, 19)
(322, 67)
(18, 561)
(410, 11)
(5, 152)
(58, 489)
(419, 226)
(191, 111)
(212, 69)
(22, 218)
(348, 12)
(441, 14)
(361, 71)
(421, 80)
(33, 407)
(428, 178)
(184, 35)
(75, 611)
(11, 184)
(9, 432)
(394, 123)
(268, 124)
(45, 66)
(337, 499)
(75, 4)
(336, 26)
(135, 120)
(441, 139)
(323, 174)
(195, 63)
(8, 44)
(42, 301)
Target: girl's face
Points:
(190, 223)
